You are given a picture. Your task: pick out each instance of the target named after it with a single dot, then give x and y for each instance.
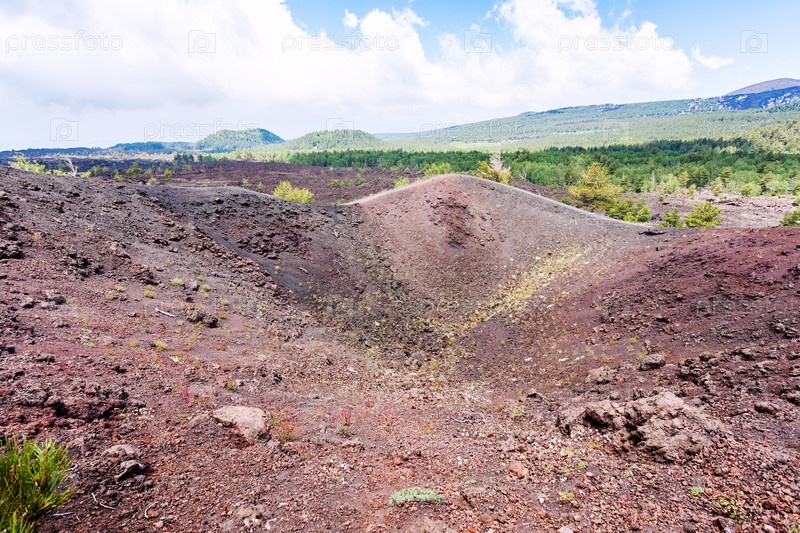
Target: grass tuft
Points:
(31, 479)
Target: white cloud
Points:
(350, 21)
(178, 64)
(710, 62)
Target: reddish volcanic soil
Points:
(217, 359)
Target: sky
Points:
(100, 72)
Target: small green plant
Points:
(159, 345)
(696, 491)
(346, 420)
(750, 189)
(152, 181)
(717, 187)
(285, 191)
(345, 431)
(415, 494)
(149, 293)
(176, 282)
(401, 182)
(518, 411)
(285, 431)
(566, 497)
(704, 215)
(133, 171)
(231, 385)
(434, 169)
(20, 163)
(791, 219)
(628, 210)
(168, 174)
(732, 506)
(31, 479)
(671, 219)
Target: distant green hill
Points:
(232, 140)
(334, 140)
(221, 141)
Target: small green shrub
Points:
(21, 163)
(717, 187)
(628, 210)
(594, 190)
(704, 215)
(750, 189)
(696, 491)
(435, 169)
(401, 182)
(415, 494)
(671, 219)
(499, 175)
(791, 219)
(31, 479)
(285, 191)
(133, 171)
(731, 505)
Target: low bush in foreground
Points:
(31, 479)
(791, 219)
(704, 215)
(285, 191)
(415, 494)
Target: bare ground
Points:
(538, 367)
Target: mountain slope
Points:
(764, 86)
(597, 125)
(334, 140)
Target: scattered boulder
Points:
(663, 425)
(652, 361)
(122, 451)
(767, 408)
(601, 376)
(128, 458)
(129, 468)
(10, 250)
(726, 525)
(196, 315)
(55, 297)
(248, 421)
(251, 515)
